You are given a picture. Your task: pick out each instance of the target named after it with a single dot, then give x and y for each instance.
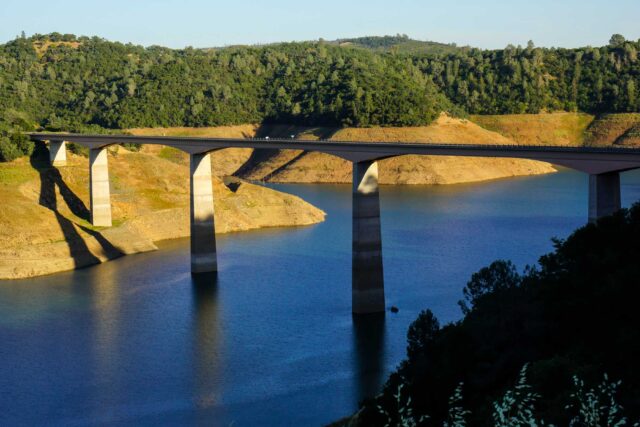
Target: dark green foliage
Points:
(421, 334)
(13, 143)
(132, 147)
(89, 81)
(375, 42)
(499, 276)
(80, 84)
(530, 80)
(8, 151)
(332, 86)
(78, 149)
(71, 82)
(576, 313)
(22, 142)
(401, 44)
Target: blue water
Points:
(270, 340)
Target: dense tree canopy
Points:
(63, 82)
(67, 82)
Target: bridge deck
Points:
(592, 160)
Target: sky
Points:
(488, 24)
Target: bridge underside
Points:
(367, 267)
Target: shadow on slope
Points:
(50, 179)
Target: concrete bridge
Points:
(602, 164)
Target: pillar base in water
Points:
(604, 195)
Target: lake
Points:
(270, 339)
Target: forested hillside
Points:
(64, 82)
(400, 44)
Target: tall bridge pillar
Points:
(203, 231)
(99, 192)
(367, 278)
(57, 153)
(604, 195)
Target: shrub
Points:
(132, 147)
(78, 150)
(22, 142)
(8, 151)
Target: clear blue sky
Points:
(201, 23)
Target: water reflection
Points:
(206, 340)
(104, 290)
(369, 343)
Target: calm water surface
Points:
(271, 339)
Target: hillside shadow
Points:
(280, 131)
(286, 164)
(50, 179)
(287, 131)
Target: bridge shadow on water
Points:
(50, 179)
(369, 344)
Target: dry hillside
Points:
(574, 129)
(614, 129)
(45, 229)
(291, 166)
(539, 129)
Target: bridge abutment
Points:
(203, 232)
(367, 272)
(604, 195)
(57, 153)
(100, 194)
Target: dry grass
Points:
(293, 166)
(41, 47)
(539, 129)
(614, 129)
(443, 130)
(237, 131)
(150, 202)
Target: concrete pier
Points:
(367, 275)
(604, 195)
(57, 153)
(99, 191)
(203, 232)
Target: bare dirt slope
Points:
(43, 216)
(573, 129)
(281, 166)
(614, 129)
(539, 129)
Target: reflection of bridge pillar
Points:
(57, 153)
(604, 195)
(99, 187)
(367, 279)
(203, 232)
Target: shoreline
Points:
(155, 245)
(141, 244)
